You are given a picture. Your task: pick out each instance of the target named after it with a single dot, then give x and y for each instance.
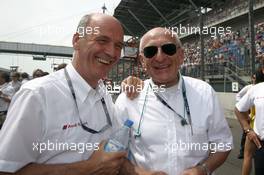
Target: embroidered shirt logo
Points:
(68, 126)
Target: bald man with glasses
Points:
(179, 127)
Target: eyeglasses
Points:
(169, 49)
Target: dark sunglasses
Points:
(169, 49)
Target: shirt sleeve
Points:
(241, 93)
(238, 95)
(219, 133)
(246, 102)
(22, 130)
(121, 113)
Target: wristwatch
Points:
(248, 130)
(205, 169)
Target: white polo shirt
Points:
(164, 143)
(254, 97)
(42, 124)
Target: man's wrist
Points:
(247, 130)
(205, 169)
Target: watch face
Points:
(205, 169)
(247, 130)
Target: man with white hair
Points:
(179, 127)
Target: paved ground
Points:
(232, 166)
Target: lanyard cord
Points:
(138, 132)
(77, 109)
(183, 121)
(186, 107)
(186, 104)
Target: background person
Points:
(254, 139)
(15, 83)
(37, 73)
(239, 95)
(6, 93)
(24, 78)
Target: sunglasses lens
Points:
(169, 49)
(150, 51)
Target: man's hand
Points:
(106, 162)
(144, 172)
(132, 86)
(158, 173)
(130, 169)
(194, 171)
(100, 163)
(253, 137)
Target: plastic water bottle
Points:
(119, 140)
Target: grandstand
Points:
(221, 58)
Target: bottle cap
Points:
(128, 123)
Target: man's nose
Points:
(160, 56)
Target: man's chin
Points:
(161, 77)
(164, 81)
(159, 81)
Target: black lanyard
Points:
(109, 123)
(186, 105)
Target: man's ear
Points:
(75, 42)
(142, 61)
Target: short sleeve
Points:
(246, 102)
(22, 130)
(121, 112)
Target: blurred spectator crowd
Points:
(232, 48)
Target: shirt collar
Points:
(169, 93)
(81, 88)
(179, 84)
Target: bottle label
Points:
(114, 146)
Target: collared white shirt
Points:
(16, 85)
(43, 112)
(166, 145)
(254, 97)
(8, 91)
